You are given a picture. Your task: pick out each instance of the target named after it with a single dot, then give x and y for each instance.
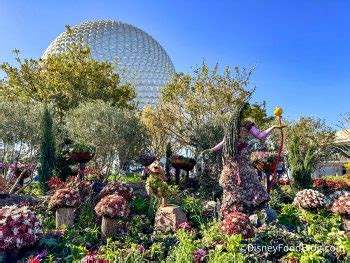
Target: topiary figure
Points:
(237, 223)
(309, 199)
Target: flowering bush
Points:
(66, 197)
(19, 227)
(199, 255)
(330, 183)
(185, 225)
(118, 188)
(81, 186)
(237, 223)
(284, 182)
(55, 183)
(92, 258)
(341, 205)
(309, 199)
(112, 206)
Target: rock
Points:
(269, 215)
(139, 188)
(169, 217)
(254, 219)
(13, 199)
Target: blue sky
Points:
(301, 48)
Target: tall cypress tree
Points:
(47, 150)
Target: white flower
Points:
(1, 234)
(15, 216)
(19, 242)
(26, 222)
(30, 231)
(15, 231)
(8, 240)
(3, 221)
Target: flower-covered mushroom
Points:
(66, 197)
(309, 199)
(112, 206)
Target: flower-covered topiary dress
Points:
(242, 190)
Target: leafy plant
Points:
(289, 216)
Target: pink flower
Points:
(112, 206)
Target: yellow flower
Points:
(278, 111)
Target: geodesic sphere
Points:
(142, 61)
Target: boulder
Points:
(169, 217)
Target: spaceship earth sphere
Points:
(142, 61)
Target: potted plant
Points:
(111, 208)
(64, 201)
(81, 152)
(264, 161)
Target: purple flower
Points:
(59, 233)
(42, 255)
(199, 255)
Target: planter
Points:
(109, 227)
(64, 216)
(81, 157)
(265, 167)
(184, 163)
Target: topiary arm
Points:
(260, 134)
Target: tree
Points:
(188, 102)
(65, 80)
(342, 148)
(47, 150)
(117, 134)
(19, 131)
(309, 144)
(159, 138)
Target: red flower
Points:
(237, 223)
(330, 184)
(319, 182)
(117, 188)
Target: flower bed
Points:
(19, 227)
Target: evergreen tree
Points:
(47, 150)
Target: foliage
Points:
(65, 80)
(289, 216)
(194, 209)
(189, 101)
(309, 145)
(81, 147)
(343, 148)
(47, 150)
(159, 138)
(19, 131)
(158, 187)
(229, 251)
(116, 134)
